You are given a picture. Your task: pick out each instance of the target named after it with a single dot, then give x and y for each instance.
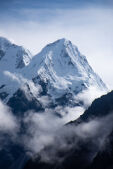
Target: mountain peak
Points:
(59, 46)
(63, 42)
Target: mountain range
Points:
(54, 76)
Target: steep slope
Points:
(99, 108)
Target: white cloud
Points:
(21, 81)
(87, 96)
(67, 138)
(8, 122)
(69, 113)
(42, 127)
(44, 100)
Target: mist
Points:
(8, 122)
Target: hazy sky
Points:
(87, 23)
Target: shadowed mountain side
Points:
(99, 108)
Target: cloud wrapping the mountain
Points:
(69, 137)
(45, 129)
(44, 100)
(42, 126)
(69, 113)
(23, 82)
(87, 96)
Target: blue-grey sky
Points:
(55, 3)
(11, 7)
(87, 23)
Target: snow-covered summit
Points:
(62, 65)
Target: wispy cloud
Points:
(69, 137)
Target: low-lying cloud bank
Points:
(45, 129)
(68, 137)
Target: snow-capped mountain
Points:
(59, 69)
(47, 82)
(64, 68)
